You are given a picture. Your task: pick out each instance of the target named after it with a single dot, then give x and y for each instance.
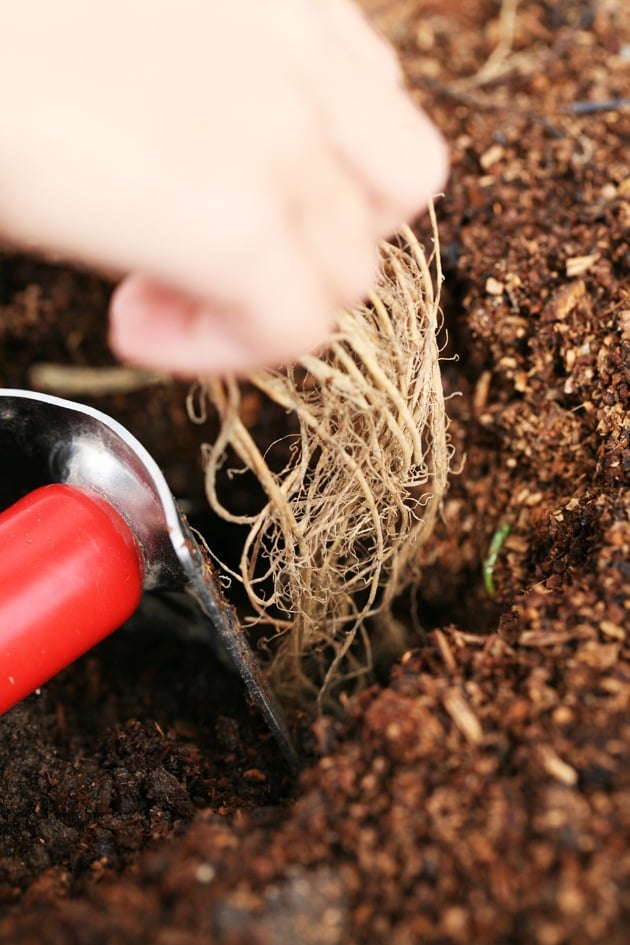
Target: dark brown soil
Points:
(482, 795)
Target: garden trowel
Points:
(89, 524)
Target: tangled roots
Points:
(360, 483)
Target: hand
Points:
(240, 159)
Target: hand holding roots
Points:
(366, 459)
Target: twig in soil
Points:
(477, 104)
(499, 59)
(501, 66)
(498, 540)
(462, 715)
(73, 380)
(589, 108)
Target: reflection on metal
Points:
(46, 439)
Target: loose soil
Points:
(481, 792)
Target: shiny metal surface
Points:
(47, 439)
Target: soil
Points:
(481, 793)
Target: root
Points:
(360, 483)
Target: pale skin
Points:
(233, 163)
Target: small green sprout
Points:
(498, 540)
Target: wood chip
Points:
(463, 716)
(494, 287)
(578, 265)
(556, 767)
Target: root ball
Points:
(365, 463)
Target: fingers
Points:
(270, 280)
(394, 151)
(272, 302)
(261, 300)
(247, 176)
(153, 325)
(296, 234)
(346, 28)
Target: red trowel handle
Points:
(70, 573)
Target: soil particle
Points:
(482, 794)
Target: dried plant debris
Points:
(352, 488)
